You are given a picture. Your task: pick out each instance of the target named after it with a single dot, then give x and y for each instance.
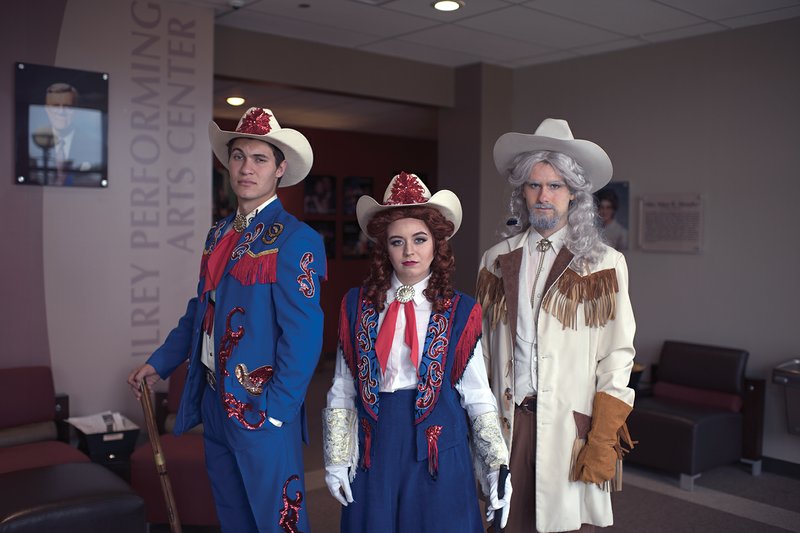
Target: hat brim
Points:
(593, 159)
(444, 201)
(294, 145)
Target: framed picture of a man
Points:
(61, 126)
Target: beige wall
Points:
(716, 115)
(100, 276)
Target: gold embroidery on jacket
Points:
(490, 294)
(597, 293)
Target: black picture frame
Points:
(355, 244)
(353, 188)
(319, 195)
(61, 126)
(327, 229)
(613, 201)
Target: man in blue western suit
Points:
(253, 333)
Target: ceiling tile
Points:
(762, 18)
(722, 9)
(295, 29)
(345, 15)
(423, 8)
(420, 52)
(682, 33)
(610, 46)
(629, 17)
(483, 45)
(537, 27)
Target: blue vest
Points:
(450, 341)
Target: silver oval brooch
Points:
(404, 293)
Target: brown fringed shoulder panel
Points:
(597, 292)
(490, 295)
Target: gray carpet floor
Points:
(725, 500)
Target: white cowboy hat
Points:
(554, 135)
(407, 190)
(260, 123)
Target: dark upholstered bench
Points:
(77, 497)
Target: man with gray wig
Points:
(558, 334)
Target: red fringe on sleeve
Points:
(466, 344)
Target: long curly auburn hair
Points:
(380, 273)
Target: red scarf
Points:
(217, 262)
(383, 344)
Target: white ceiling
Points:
(510, 33)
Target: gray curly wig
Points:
(583, 237)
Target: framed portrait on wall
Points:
(320, 195)
(613, 206)
(354, 187)
(326, 228)
(61, 126)
(355, 244)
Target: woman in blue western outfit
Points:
(410, 393)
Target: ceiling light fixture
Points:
(448, 5)
(235, 100)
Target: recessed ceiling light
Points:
(448, 5)
(235, 100)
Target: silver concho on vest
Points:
(404, 293)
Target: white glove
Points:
(494, 502)
(339, 484)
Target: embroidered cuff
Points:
(488, 441)
(339, 436)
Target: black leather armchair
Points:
(703, 412)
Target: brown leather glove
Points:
(597, 460)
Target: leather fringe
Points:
(466, 344)
(491, 296)
(623, 445)
(261, 268)
(577, 446)
(597, 293)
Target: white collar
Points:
(252, 214)
(419, 287)
(556, 239)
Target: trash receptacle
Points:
(788, 375)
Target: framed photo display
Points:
(61, 126)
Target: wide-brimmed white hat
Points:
(260, 123)
(554, 135)
(407, 190)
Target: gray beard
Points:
(543, 222)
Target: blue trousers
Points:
(258, 486)
(398, 495)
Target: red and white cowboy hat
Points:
(407, 190)
(554, 135)
(260, 123)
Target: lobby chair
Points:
(703, 412)
(47, 484)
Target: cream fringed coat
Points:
(575, 360)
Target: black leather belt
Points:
(211, 379)
(528, 404)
